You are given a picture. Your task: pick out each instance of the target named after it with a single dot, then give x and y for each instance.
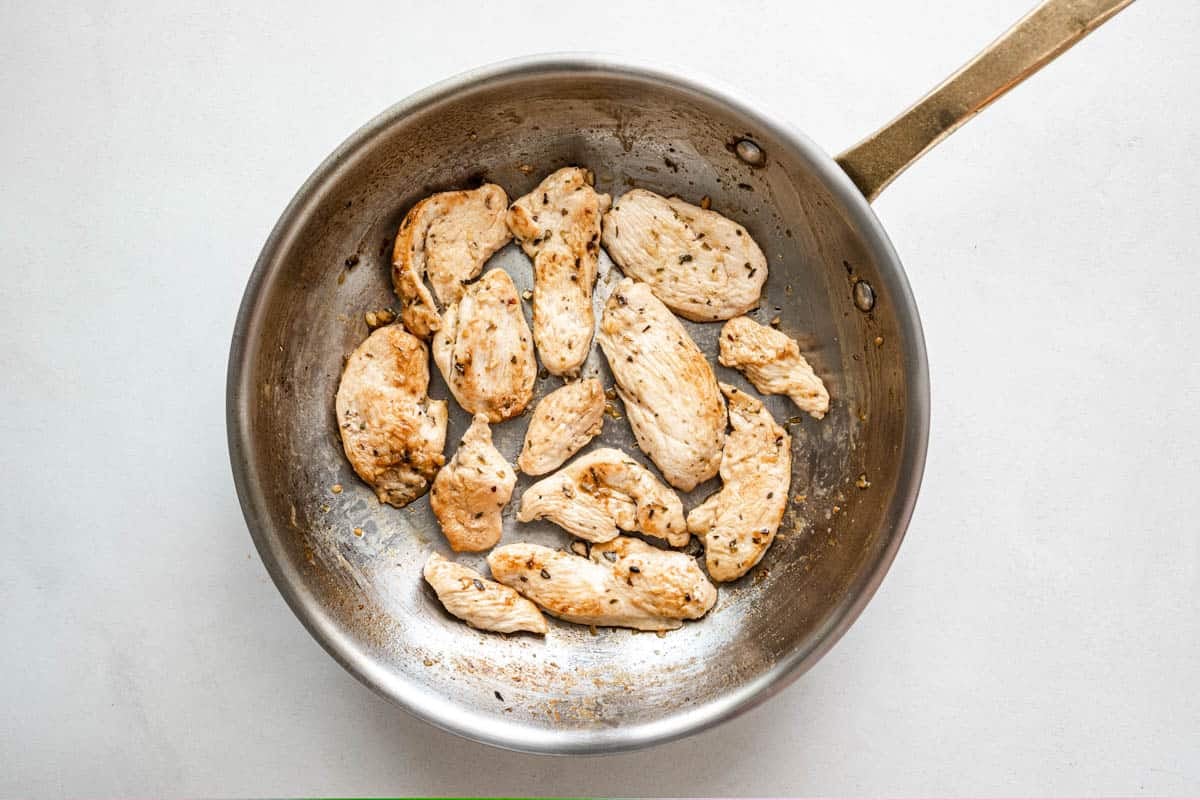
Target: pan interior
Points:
(363, 595)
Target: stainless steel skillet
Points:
(835, 283)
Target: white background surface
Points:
(1040, 631)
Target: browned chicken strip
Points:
(558, 226)
(485, 351)
(446, 237)
(702, 265)
(602, 491)
(663, 581)
(771, 361)
(470, 492)
(393, 434)
(625, 583)
(668, 387)
(481, 603)
(563, 422)
(739, 522)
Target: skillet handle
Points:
(1030, 44)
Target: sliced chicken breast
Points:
(446, 237)
(634, 586)
(393, 434)
(739, 522)
(666, 384)
(771, 361)
(558, 226)
(563, 422)
(485, 351)
(702, 265)
(601, 492)
(667, 582)
(481, 603)
(470, 492)
(418, 311)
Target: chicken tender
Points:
(667, 386)
(446, 237)
(771, 361)
(393, 434)
(470, 492)
(703, 266)
(663, 581)
(481, 603)
(485, 351)
(601, 492)
(558, 226)
(739, 522)
(563, 422)
(625, 583)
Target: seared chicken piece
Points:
(558, 226)
(668, 388)
(470, 492)
(447, 237)
(481, 603)
(484, 349)
(563, 422)
(418, 311)
(772, 362)
(662, 581)
(739, 522)
(602, 491)
(392, 432)
(625, 583)
(702, 265)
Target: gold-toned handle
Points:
(1025, 48)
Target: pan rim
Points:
(454, 718)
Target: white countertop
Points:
(1040, 630)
